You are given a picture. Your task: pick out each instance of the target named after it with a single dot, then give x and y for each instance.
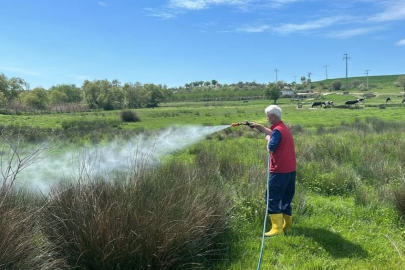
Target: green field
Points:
(203, 207)
(219, 113)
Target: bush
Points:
(167, 218)
(130, 116)
(336, 85)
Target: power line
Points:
(345, 57)
(326, 68)
(367, 70)
(276, 70)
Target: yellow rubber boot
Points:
(287, 222)
(276, 225)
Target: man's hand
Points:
(254, 125)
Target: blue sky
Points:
(173, 42)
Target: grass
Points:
(384, 84)
(337, 234)
(203, 207)
(198, 114)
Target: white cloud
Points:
(401, 42)
(104, 4)
(189, 4)
(254, 29)
(317, 24)
(204, 4)
(20, 70)
(353, 32)
(280, 3)
(160, 13)
(394, 10)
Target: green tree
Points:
(106, 98)
(91, 91)
(65, 93)
(272, 92)
(155, 95)
(12, 87)
(57, 97)
(37, 98)
(134, 95)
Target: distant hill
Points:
(385, 79)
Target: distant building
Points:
(287, 93)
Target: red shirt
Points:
(282, 160)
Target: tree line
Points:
(97, 94)
(113, 95)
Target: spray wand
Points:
(246, 123)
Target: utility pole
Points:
(295, 79)
(309, 80)
(326, 67)
(346, 58)
(367, 70)
(276, 71)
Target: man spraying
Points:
(281, 182)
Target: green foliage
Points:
(272, 92)
(65, 93)
(37, 98)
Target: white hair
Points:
(273, 109)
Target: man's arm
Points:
(261, 128)
(273, 141)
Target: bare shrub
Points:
(22, 245)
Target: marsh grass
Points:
(165, 218)
(21, 244)
(203, 207)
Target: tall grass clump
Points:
(164, 218)
(22, 245)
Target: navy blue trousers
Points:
(281, 192)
